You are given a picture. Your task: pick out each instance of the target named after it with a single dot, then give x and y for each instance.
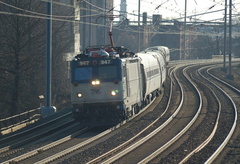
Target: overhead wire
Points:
(57, 18)
(171, 7)
(43, 16)
(72, 21)
(174, 9)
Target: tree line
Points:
(23, 55)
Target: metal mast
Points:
(139, 37)
(225, 38)
(184, 35)
(49, 53)
(48, 110)
(230, 76)
(77, 45)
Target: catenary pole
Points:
(49, 53)
(48, 109)
(90, 25)
(184, 30)
(77, 45)
(139, 37)
(230, 76)
(225, 37)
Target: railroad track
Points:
(59, 148)
(23, 134)
(80, 146)
(132, 150)
(233, 95)
(43, 152)
(230, 152)
(15, 144)
(125, 151)
(187, 127)
(207, 146)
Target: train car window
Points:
(83, 73)
(107, 72)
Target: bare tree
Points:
(18, 37)
(22, 53)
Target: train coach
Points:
(160, 49)
(109, 85)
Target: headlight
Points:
(79, 95)
(95, 82)
(114, 92)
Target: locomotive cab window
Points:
(83, 73)
(107, 72)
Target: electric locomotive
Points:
(99, 83)
(111, 84)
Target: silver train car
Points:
(161, 49)
(109, 85)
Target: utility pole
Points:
(225, 38)
(184, 34)
(49, 52)
(90, 24)
(230, 76)
(48, 109)
(139, 37)
(105, 23)
(84, 25)
(77, 45)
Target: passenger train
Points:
(111, 84)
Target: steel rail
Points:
(80, 145)
(17, 135)
(174, 139)
(46, 147)
(137, 144)
(27, 140)
(227, 139)
(74, 148)
(210, 137)
(96, 160)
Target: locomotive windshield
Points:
(84, 74)
(107, 72)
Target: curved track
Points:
(132, 148)
(193, 121)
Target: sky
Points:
(175, 8)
